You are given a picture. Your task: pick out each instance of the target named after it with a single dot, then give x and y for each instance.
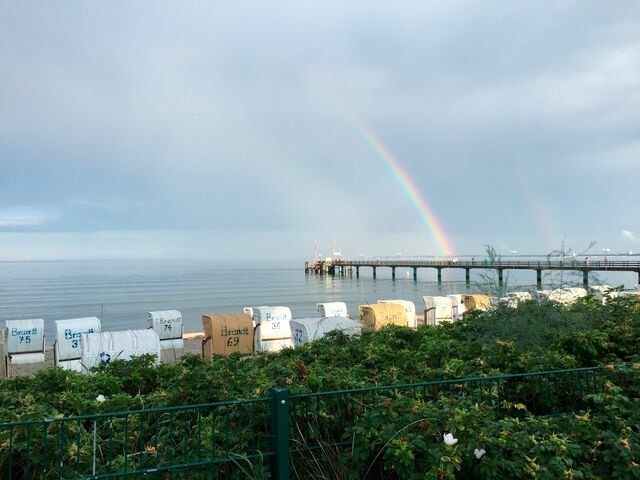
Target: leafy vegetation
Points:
(402, 436)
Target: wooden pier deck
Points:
(344, 266)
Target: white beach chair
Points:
(66, 348)
(169, 327)
(104, 347)
(23, 346)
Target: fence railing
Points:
(249, 438)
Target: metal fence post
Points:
(280, 432)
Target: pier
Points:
(341, 266)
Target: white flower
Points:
(449, 440)
(479, 452)
(100, 398)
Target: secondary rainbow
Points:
(410, 189)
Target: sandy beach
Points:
(192, 344)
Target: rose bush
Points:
(409, 437)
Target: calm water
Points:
(121, 292)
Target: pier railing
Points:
(251, 438)
(568, 264)
(341, 266)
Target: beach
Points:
(192, 344)
(120, 293)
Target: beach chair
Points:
(333, 309)
(410, 308)
(169, 327)
(66, 348)
(104, 347)
(308, 329)
(23, 346)
(227, 333)
(273, 333)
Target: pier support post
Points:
(467, 275)
(357, 272)
(585, 278)
(374, 272)
(439, 275)
(342, 270)
(539, 279)
(415, 274)
(393, 273)
(500, 276)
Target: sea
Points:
(120, 292)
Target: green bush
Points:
(394, 436)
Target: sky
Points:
(251, 129)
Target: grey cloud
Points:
(25, 217)
(139, 116)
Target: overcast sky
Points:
(221, 129)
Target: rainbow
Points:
(403, 178)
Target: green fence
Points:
(257, 438)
